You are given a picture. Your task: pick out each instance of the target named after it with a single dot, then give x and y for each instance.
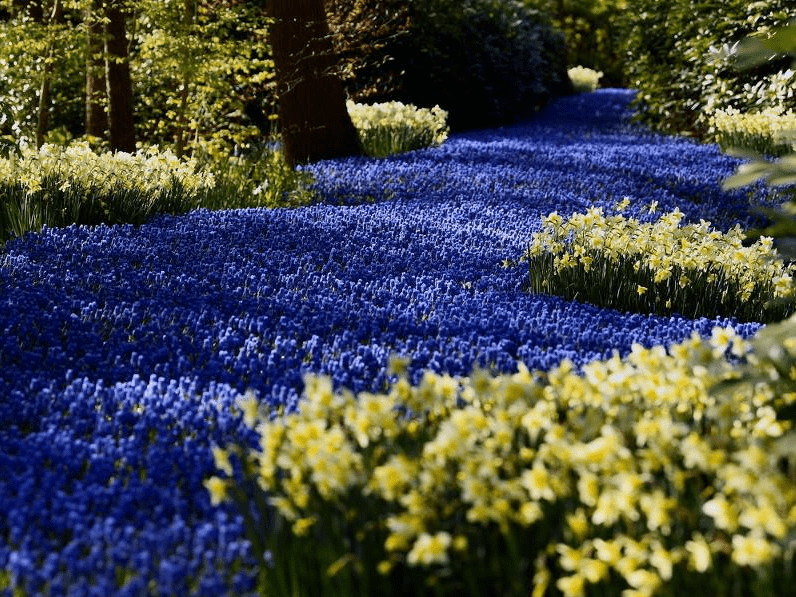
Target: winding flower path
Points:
(123, 349)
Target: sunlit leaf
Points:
(747, 174)
(755, 50)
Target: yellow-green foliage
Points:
(631, 474)
(393, 127)
(584, 79)
(659, 267)
(771, 131)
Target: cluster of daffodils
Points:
(628, 474)
(59, 186)
(394, 127)
(148, 172)
(771, 131)
(584, 79)
(658, 267)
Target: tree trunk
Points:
(96, 117)
(118, 82)
(314, 121)
(43, 119)
(186, 76)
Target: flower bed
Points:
(123, 348)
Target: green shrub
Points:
(365, 36)
(393, 127)
(780, 173)
(674, 60)
(662, 267)
(629, 478)
(58, 186)
(485, 62)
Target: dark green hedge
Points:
(486, 62)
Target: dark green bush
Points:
(673, 59)
(592, 32)
(484, 61)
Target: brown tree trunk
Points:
(117, 79)
(186, 75)
(96, 117)
(314, 121)
(43, 119)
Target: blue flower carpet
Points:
(123, 349)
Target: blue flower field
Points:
(123, 349)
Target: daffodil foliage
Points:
(771, 131)
(59, 186)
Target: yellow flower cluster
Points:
(692, 260)
(149, 172)
(393, 127)
(767, 131)
(584, 79)
(630, 467)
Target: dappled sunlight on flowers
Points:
(659, 267)
(771, 131)
(151, 171)
(638, 484)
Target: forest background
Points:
(198, 76)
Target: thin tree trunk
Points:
(118, 82)
(43, 119)
(314, 121)
(96, 117)
(187, 71)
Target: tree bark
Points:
(43, 119)
(96, 117)
(118, 82)
(314, 121)
(186, 76)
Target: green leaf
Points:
(743, 152)
(785, 446)
(754, 51)
(747, 174)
